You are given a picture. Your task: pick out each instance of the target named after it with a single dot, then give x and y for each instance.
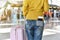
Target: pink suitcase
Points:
(18, 33)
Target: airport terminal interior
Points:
(11, 15)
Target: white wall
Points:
(2, 3)
(55, 2)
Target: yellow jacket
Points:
(34, 8)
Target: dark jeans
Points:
(33, 31)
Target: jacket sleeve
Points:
(25, 7)
(46, 6)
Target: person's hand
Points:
(46, 13)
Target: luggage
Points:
(18, 33)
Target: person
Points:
(32, 9)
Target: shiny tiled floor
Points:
(51, 34)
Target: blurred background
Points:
(11, 15)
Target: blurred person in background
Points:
(32, 9)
